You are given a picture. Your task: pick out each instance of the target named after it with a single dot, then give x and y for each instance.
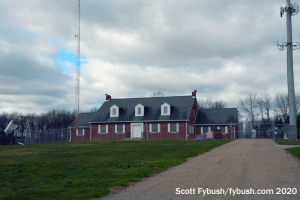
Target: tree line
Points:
(258, 108)
(53, 119)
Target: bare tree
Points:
(157, 94)
(297, 103)
(260, 106)
(282, 106)
(209, 104)
(249, 105)
(93, 109)
(267, 106)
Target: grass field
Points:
(286, 142)
(295, 151)
(86, 170)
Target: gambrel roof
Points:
(217, 116)
(181, 109)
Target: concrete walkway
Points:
(243, 164)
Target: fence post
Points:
(273, 130)
(90, 133)
(147, 130)
(295, 132)
(231, 130)
(160, 133)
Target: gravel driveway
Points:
(241, 164)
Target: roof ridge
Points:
(149, 97)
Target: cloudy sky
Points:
(223, 49)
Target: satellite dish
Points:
(11, 127)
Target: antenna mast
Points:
(77, 77)
(290, 9)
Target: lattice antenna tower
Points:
(77, 77)
(290, 10)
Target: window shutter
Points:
(158, 127)
(98, 128)
(106, 129)
(116, 129)
(150, 127)
(76, 131)
(83, 131)
(124, 128)
(169, 128)
(209, 129)
(177, 127)
(201, 130)
(226, 129)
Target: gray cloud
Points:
(224, 49)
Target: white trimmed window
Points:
(120, 128)
(165, 109)
(205, 129)
(173, 127)
(191, 130)
(80, 132)
(114, 111)
(103, 129)
(154, 128)
(139, 110)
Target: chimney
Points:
(194, 94)
(108, 97)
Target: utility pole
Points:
(290, 9)
(77, 77)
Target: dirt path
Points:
(242, 164)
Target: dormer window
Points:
(114, 111)
(165, 109)
(139, 110)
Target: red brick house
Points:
(217, 123)
(150, 118)
(153, 118)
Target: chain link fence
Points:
(269, 130)
(45, 136)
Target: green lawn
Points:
(286, 142)
(86, 170)
(295, 151)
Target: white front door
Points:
(137, 131)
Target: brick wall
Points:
(85, 137)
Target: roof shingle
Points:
(216, 116)
(182, 106)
